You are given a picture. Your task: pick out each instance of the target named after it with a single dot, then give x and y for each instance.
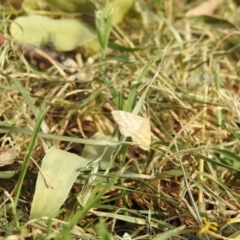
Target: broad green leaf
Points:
(235, 236)
(119, 8)
(59, 170)
(31, 29)
(64, 34)
(92, 152)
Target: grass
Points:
(183, 74)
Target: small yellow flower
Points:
(212, 226)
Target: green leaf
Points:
(64, 34)
(7, 123)
(235, 236)
(8, 174)
(214, 22)
(229, 157)
(93, 152)
(60, 169)
(102, 230)
(119, 47)
(217, 161)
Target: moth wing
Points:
(128, 122)
(143, 136)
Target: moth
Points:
(134, 126)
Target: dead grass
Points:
(192, 170)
